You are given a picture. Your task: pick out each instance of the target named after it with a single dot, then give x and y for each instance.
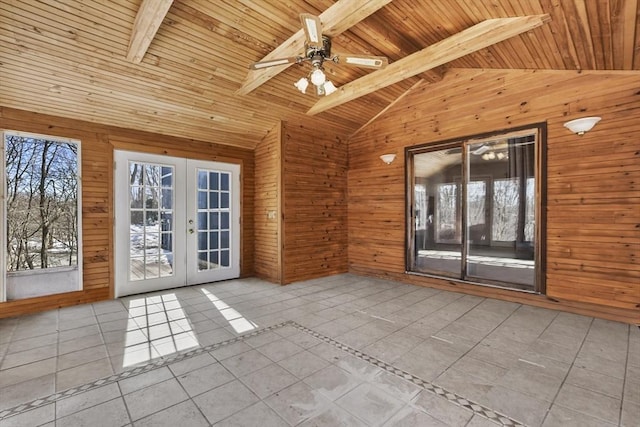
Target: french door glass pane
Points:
(213, 219)
(437, 225)
(500, 246)
(151, 229)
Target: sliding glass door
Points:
(475, 210)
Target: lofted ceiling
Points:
(69, 57)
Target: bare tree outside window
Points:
(506, 199)
(447, 213)
(530, 215)
(42, 201)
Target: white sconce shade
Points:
(329, 87)
(580, 126)
(388, 158)
(302, 84)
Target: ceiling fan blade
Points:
(273, 62)
(377, 62)
(312, 29)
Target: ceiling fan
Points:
(318, 50)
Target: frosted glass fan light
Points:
(317, 77)
(302, 84)
(329, 87)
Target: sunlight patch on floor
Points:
(235, 319)
(157, 326)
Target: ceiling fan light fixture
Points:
(302, 84)
(329, 87)
(317, 77)
(317, 49)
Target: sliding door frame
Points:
(540, 159)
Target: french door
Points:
(177, 222)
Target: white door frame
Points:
(185, 270)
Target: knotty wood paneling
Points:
(97, 145)
(68, 57)
(314, 184)
(268, 190)
(593, 201)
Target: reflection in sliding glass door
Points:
(437, 213)
(501, 249)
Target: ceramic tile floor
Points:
(343, 350)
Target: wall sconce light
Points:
(580, 126)
(388, 158)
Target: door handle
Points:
(191, 231)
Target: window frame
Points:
(3, 217)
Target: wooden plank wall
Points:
(593, 201)
(315, 205)
(268, 254)
(97, 144)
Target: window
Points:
(475, 214)
(41, 216)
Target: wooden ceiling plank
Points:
(455, 19)
(515, 52)
(238, 16)
(494, 58)
(636, 49)
(333, 19)
(148, 20)
(597, 15)
(630, 40)
(385, 109)
(578, 24)
(214, 26)
(48, 43)
(536, 42)
(36, 17)
(560, 35)
(338, 21)
(479, 36)
(176, 127)
(606, 26)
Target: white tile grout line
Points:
(426, 385)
